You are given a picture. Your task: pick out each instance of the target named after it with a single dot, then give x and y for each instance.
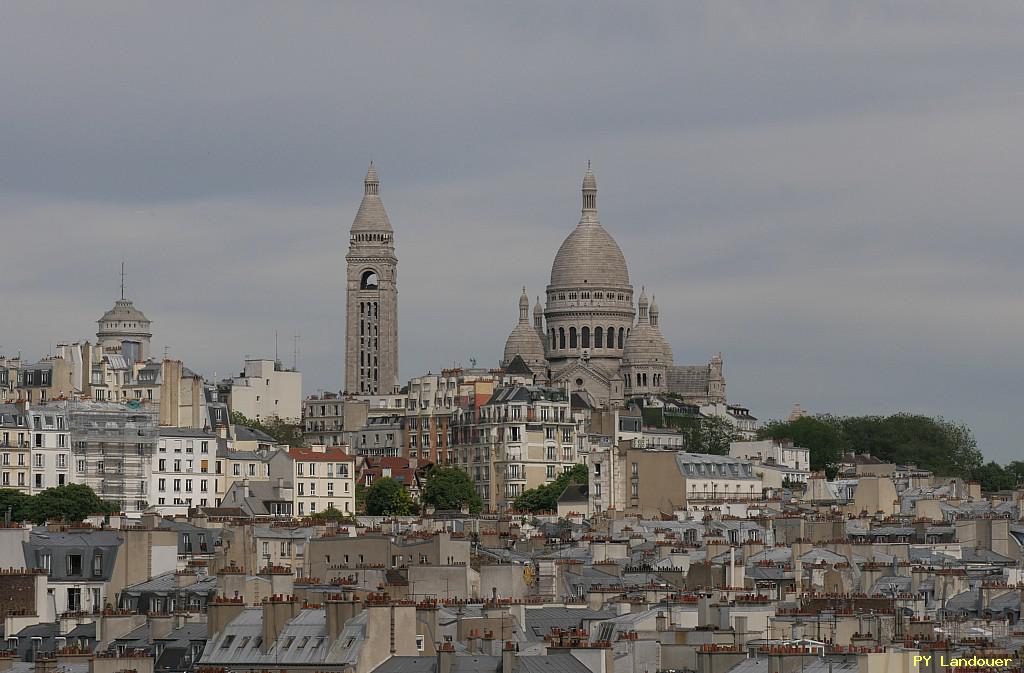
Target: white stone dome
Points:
(589, 256)
(525, 341)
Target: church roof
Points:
(371, 215)
(689, 379)
(518, 367)
(589, 255)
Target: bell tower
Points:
(371, 325)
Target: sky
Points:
(828, 193)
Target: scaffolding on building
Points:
(116, 443)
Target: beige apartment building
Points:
(526, 436)
(323, 478)
(264, 389)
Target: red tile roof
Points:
(330, 454)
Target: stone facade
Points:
(371, 333)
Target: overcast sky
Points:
(828, 193)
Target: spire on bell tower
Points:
(371, 185)
(589, 196)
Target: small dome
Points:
(525, 342)
(524, 301)
(645, 344)
(124, 310)
(538, 310)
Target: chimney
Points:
(445, 658)
(508, 657)
(277, 612)
(661, 622)
(335, 622)
(740, 629)
(220, 612)
(245, 488)
(160, 626)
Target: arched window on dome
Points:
(598, 337)
(622, 338)
(638, 379)
(611, 337)
(645, 379)
(552, 338)
(561, 338)
(573, 343)
(585, 337)
(626, 376)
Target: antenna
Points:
(122, 279)
(295, 351)
(276, 358)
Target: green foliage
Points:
(652, 417)
(282, 431)
(333, 514)
(709, 434)
(545, 498)
(451, 488)
(820, 435)
(360, 498)
(994, 477)
(935, 444)
(387, 497)
(17, 502)
(1016, 468)
(70, 503)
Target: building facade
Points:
(265, 389)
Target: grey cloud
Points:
(826, 193)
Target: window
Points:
(74, 564)
(419, 643)
(74, 600)
(97, 564)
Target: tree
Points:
(360, 498)
(994, 477)
(283, 432)
(72, 503)
(451, 488)
(946, 448)
(17, 503)
(1016, 468)
(332, 514)
(820, 435)
(710, 434)
(386, 497)
(545, 498)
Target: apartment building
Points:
(113, 446)
(264, 389)
(234, 466)
(15, 446)
(183, 470)
(51, 448)
(323, 478)
(527, 437)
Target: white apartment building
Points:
(323, 478)
(771, 451)
(183, 471)
(51, 448)
(265, 389)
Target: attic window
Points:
(227, 642)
